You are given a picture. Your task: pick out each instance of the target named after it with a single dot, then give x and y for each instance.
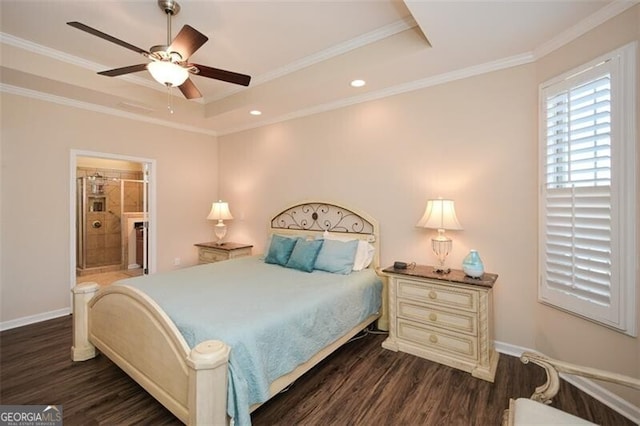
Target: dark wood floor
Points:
(361, 384)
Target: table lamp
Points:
(441, 215)
(220, 212)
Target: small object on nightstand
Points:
(472, 265)
(399, 265)
(215, 252)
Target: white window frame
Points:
(620, 313)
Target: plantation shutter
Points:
(578, 252)
(587, 252)
(577, 194)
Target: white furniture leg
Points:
(207, 393)
(82, 349)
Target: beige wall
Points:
(473, 140)
(37, 139)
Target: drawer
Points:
(459, 345)
(212, 256)
(438, 294)
(453, 321)
(240, 253)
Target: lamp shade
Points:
(220, 211)
(168, 73)
(440, 214)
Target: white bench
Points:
(536, 411)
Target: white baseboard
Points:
(605, 396)
(509, 349)
(32, 319)
(588, 386)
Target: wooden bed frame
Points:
(137, 335)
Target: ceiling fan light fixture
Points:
(169, 62)
(167, 73)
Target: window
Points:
(588, 191)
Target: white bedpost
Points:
(82, 349)
(208, 383)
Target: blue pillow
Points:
(280, 250)
(304, 254)
(337, 256)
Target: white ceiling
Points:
(301, 54)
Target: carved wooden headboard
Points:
(315, 217)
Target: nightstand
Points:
(446, 318)
(214, 252)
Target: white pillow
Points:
(364, 253)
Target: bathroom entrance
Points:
(112, 221)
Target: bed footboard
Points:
(208, 384)
(136, 334)
(82, 348)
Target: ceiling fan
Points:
(169, 63)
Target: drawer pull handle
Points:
(433, 294)
(433, 338)
(433, 316)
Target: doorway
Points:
(112, 203)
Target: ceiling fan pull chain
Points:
(169, 102)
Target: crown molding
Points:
(371, 96)
(47, 97)
(609, 11)
(58, 55)
(394, 90)
(601, 16)
(339, 49)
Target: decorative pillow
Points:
(337, 256)
(304, 255)
(280, 250)
(364, 253)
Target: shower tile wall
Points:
(104, 243)
(133, 196)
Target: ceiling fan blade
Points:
(189, 90)
(187, 41)
(124, 70)
(107, 37)
(228, 76)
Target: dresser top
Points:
(227, 246)
(455, 276)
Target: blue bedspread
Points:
(273, 318)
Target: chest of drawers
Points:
(446, 318)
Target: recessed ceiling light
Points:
(255, 112)
(358, 83)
